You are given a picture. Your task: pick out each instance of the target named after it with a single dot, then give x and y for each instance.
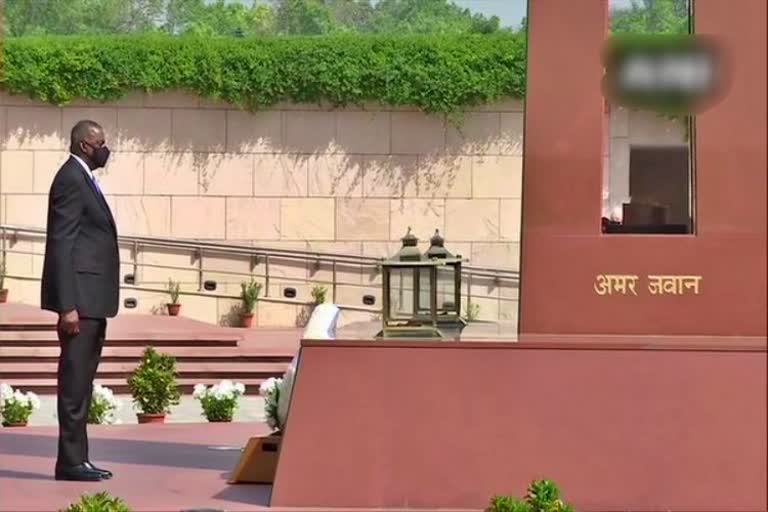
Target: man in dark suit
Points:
(81, 277)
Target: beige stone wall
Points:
(301, 177)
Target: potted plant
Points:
(104, 406)
(249, 294)
(219, 401)
(318, 294)
(153, 386)
(174, 290)
(3, 289)
(16, 407)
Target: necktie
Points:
(96, 184)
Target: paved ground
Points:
(158, 468)
(188, 411)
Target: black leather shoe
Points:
(106, 475)
(79, 473)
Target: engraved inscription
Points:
(624, 284)
(608, 284)
(673, 285)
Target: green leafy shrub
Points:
(437, 73)
(249, 294)
(99, 502)
(508, 504)
(542, 496)
(153, 383)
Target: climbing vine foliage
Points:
(438, 73)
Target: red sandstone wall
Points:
(563, 249)
(447, 425)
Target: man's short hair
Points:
(80, 131)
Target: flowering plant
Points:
(270, 389)
(219, 401)
(16, 407)
(104, 406)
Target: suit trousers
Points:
(78, 362)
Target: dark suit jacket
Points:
(82, 261)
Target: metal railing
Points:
(199, 250)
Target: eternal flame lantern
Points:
(422, 293)
(448, 281)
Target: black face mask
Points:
(100, 156)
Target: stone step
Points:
(47, 386)
(10, 371)
(250, 352)
(23, 317)
(31, 338)
(26, 322)
(205, 353)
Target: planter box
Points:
(150, 418)
(258, 463)
(14, 425)
(246, 320)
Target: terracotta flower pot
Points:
(3, 296)
(246, 319)
(228, 420)
(173, 309)
(150, 418)
(15, 424)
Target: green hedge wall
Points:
(435, 73)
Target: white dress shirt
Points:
(90, 173)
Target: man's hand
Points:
(69, 322)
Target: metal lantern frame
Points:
(437, 251)
(423, 320)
